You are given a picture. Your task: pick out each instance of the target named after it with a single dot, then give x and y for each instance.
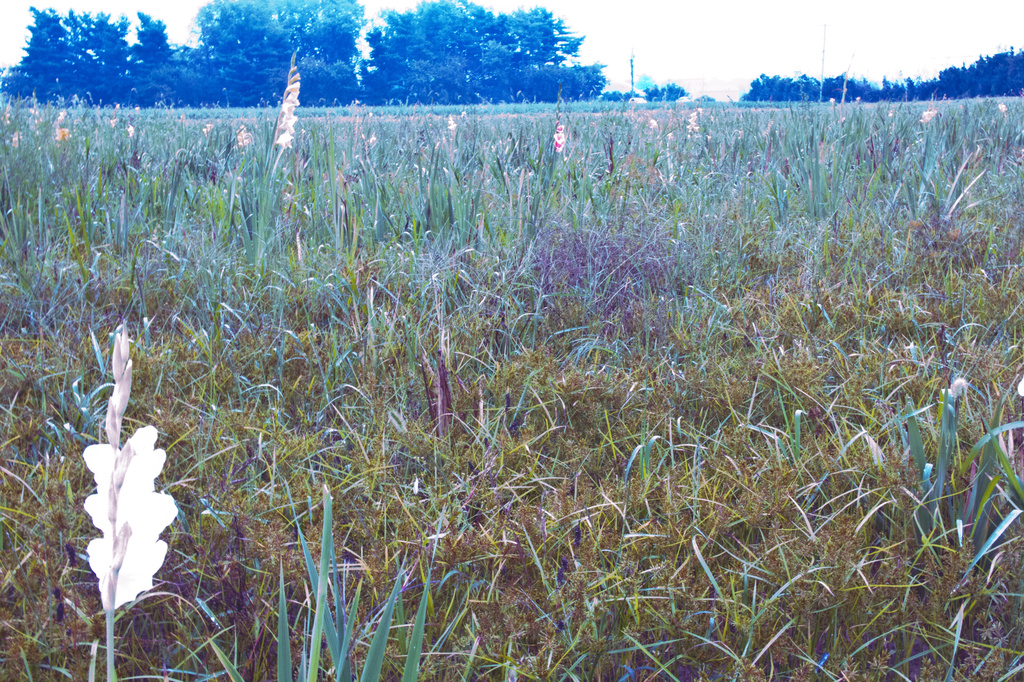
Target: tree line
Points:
(443, 52)
(1000, 75)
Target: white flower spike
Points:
(136, 511)
(126, 508)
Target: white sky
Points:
(713, 48)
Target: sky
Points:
(712, 48)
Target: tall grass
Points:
(668, 404)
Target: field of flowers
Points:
(553, 392)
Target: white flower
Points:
(1020, 388)
(929, 114)
(131, 131)
(287, 118)
(451, 124)
(692, 126)
(125, 507)
(559, 138)
(1002, 108)
(958, 388)
(135, 506)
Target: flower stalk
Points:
(125, 507)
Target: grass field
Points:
(671, 403)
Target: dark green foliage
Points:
(243, 50)
(1000, 75)
(74, 56)
(448, 52)
(151, 66)
(46, 57)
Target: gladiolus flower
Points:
(1002, 108)
(451, 124)
(692, 126)
(134, 552)
(125, 507)
(244, 137)
(61, 134)
(286, 119)
(131, 131)
(559, 138)
(929, 114)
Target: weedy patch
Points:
(639, 401)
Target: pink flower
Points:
(559, 138)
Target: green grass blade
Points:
(412, 659)
(314, 579)
(375, 657)
(230, 669)
(346, 663)
(956, 641)
(996, 534)
(704, 565)
(321, 591)
(915, 442)
(284, 648)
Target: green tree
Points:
(243, 52)
(103, 56)
(449, 52)
(76, 55)
(150, 65)
(46, 57)
(542, 39)
(323, 34)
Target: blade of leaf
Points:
(284, 647)
(231, 670)
(321, 591)
(346, 663)
(412, 659)
(375, 656)
(1000, 529)
(915, 442)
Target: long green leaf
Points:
(914, 441)
(996, 534)
(346, 662)
(230, 669)
(314, 579)
(375, 656)
(321, 591)
(412, 658)
(284, 647)
(956, 642)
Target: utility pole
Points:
(632, 92)
(821, 92)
